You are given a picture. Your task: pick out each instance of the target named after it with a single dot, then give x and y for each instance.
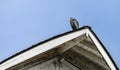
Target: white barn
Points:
(74, 50)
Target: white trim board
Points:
(40, 49)
(54, 43)
(102, 50)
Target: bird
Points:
(74, 23)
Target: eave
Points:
(57, 42)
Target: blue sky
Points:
(24, 23)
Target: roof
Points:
(83, 30)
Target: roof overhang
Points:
(57, 42)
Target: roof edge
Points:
(104, 49)
(33, 46)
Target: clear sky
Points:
(24, 23)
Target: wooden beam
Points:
(95, 52)
(66, 46)
(100, 62)
(81, 61)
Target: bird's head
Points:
(71, 18)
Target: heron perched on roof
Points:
(74, 23)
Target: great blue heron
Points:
(74, 23)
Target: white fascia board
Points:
(101, 50)
(41, 48)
